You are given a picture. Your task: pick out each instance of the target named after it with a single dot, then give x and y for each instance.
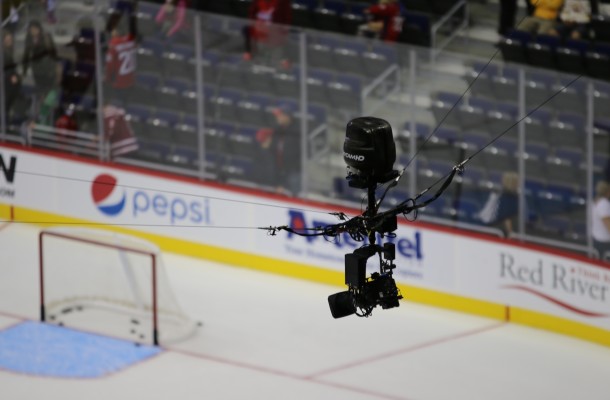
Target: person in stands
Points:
(600, 219)
(118, 132)
(280, 154)
(543, 19)
(81, 76)
(40, 55)
(12, 79)
(121, 53)
(502, 208)
(574, 19)
(65, 124)
(508, 15)
(83, 42)
(50, 7)
(266, 36)
(10, 15)
(172, 17)
(385, 21)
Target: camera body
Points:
(364, 294)
(369, 152)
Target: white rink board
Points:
(427, 257)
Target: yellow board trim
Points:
(560, 325)
(303, 271)
(5, 212)
(454, 302)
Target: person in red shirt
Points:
(386, 20)
(121, 54)
(65, 124)
(279, 154)
(118, 132)
(66, 120)
(268, 33)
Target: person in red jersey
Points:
(66, 120)
(268, 33)
(118, 131)
(279, 158)
(386, 20)
(65, 124)
(121, 54)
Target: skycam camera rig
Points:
(369, 152)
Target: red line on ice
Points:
(405, 350)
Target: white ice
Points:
(271, 337)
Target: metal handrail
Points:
(437, 48)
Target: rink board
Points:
(439, 266)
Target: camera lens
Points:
(341, 304)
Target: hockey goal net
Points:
(108, 283)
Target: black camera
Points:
(365, 294)
(369, 151)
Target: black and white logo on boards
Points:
(8, 167)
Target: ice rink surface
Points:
(271, 337)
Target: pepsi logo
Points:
(107, 197)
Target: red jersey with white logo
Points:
(269, 15)
(121, 61)
(262, 12)
(392, 20)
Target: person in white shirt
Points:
(600, 223)
(502, 208)
(575, 17)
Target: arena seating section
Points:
(238, 97)
(345, 16)
(555, 152)
(580, 57)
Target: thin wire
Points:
(431, 134)
(491, 142)
(166, 191)
(524, 117)
(438, 126)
